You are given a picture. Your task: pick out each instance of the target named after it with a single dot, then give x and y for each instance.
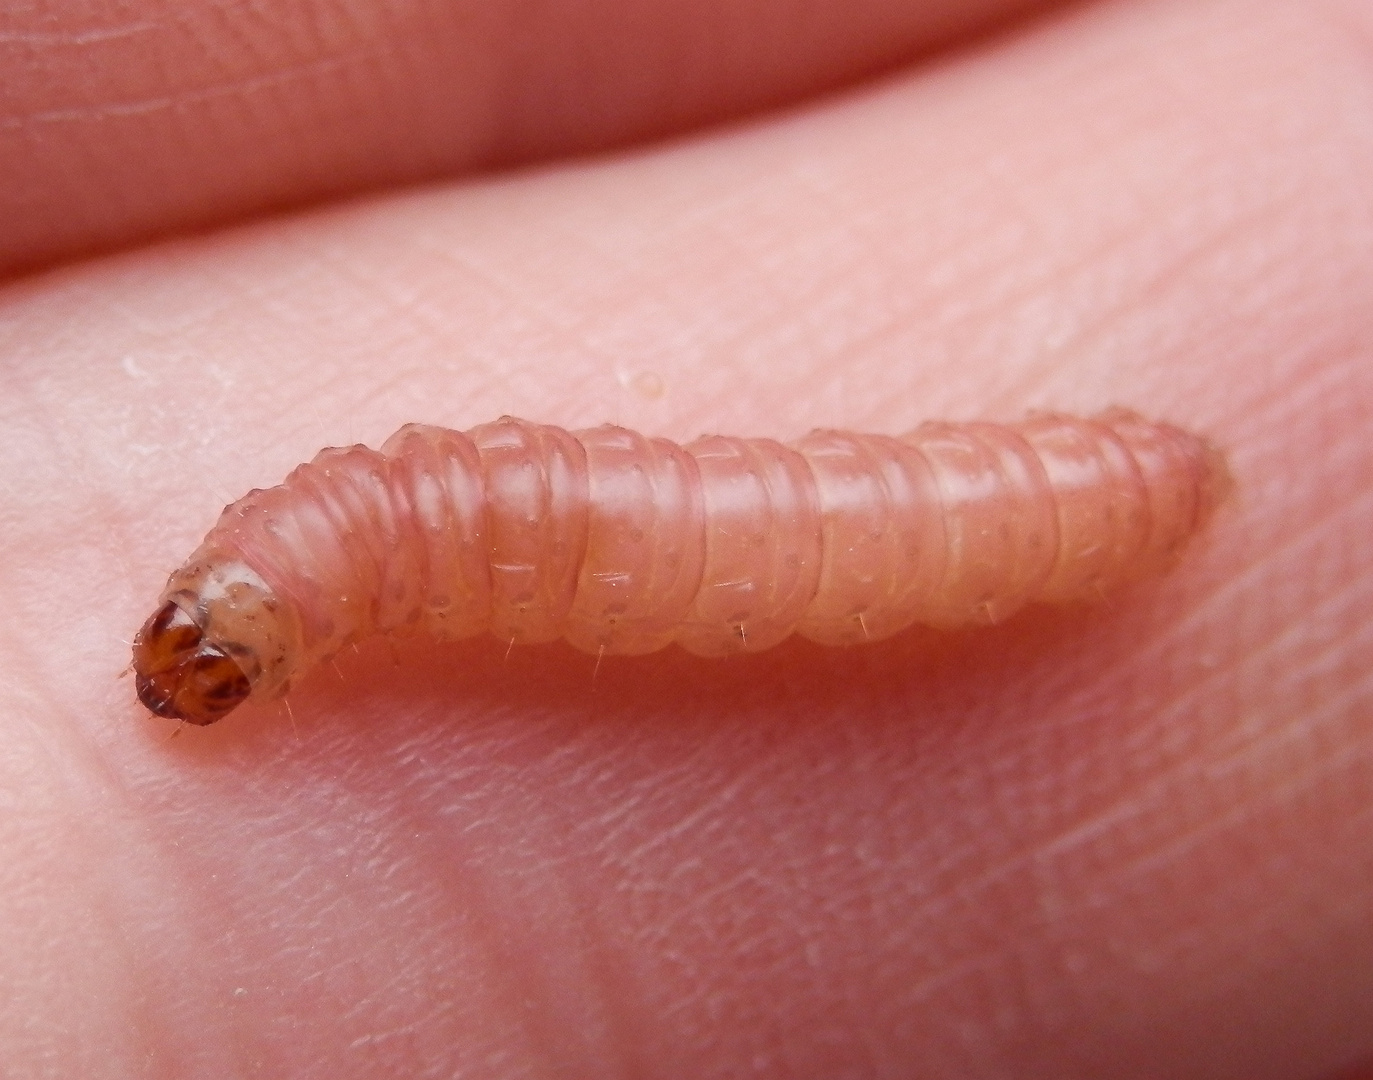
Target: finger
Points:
(115, 125)
(1131, 842)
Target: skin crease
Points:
(1134, 841)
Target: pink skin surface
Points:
(122, 121)
(1132, 841)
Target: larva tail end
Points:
(1217, 485)
(182, 676)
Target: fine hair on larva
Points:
(622, 543)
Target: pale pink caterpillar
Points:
(622, 543)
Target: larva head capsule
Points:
(180, 674)
(219, 636)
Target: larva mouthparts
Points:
(622, 543)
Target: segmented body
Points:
(621, 543)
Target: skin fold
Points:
(1126, 841)
(119, 123)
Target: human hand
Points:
(1129, 842)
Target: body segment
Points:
(622, 543)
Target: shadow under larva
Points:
(622, 544)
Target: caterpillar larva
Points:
(622, 543)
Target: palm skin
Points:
(1135, 840)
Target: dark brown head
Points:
(180, 674)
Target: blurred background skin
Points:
(1135, 841)
(120, 122)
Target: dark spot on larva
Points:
(182, 676)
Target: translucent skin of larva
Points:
(623, 544)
